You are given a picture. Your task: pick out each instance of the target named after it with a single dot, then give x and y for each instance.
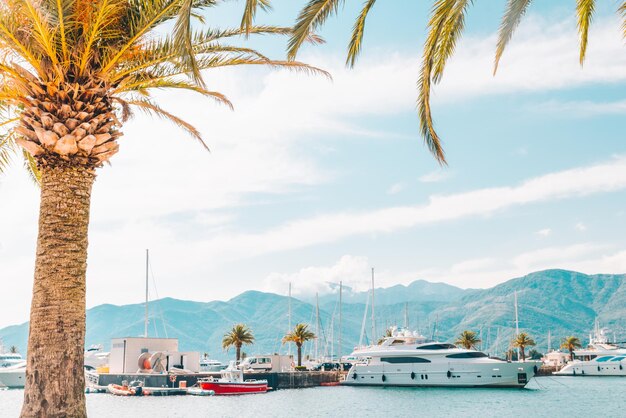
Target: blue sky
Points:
(312, 181)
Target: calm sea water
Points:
(545, 397)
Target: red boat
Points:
(232, 383)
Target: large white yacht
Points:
(600, 358)
(409, 359)
(12, 369)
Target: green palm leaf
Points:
(312, 16)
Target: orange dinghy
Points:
(125, 390)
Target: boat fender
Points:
(621, 367)
(354, 376)
(449, 374)
(384, 378)
(535, 369)
(138, 391)
(598, 368)
(574, 372)
(412, 375)
(583, 372)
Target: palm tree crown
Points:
(72, 71)
(299, 335)
(468, 340)
(522, 341)
(570, 344)
(239, 335)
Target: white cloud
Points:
(541, 56)
(606, 177)
(395, 188)
(581, 227)
(353, 271)
(584, 108)
(589, 258)
(544, 232)
(435, 176)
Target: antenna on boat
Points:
(373, 315)
(340, 296)
(145, 325)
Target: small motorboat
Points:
(134, 389)
(231, 382)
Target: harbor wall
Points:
(283, 380)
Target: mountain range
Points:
(562, 302)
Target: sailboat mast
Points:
(374, 335)
(317, 324)
(367, 302)
(145, 324)
(549, 341)
(406, 315)
(289, 317)
(340, 301)
(516, 323)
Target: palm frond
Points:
(249, 13)
(515, 10)
(584, 12)
(441, 12)
(354, 48)
(449, 35)
(312, 16)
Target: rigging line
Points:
(156, 293)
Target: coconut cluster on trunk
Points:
(71, 122)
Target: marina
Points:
(566, 397)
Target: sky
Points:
(312, 181)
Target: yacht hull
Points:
(591, 368)
(13, 379)
(500, 375)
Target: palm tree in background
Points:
(468, 340)
(522, 341)
(299, 335)
(445, 27)
(570, 344)
(13, 349)
(72, 72)
(239, 335)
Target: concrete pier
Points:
(284, 380)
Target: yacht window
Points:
(397, 342)
(404, 360)
(471, 354)
(603, 359)
(436, 347)
(620, 358)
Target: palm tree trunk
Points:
(238, 352)
(521, 349)
(299, 355)
(55, 383)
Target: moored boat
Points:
(408, 359)
(600, 358)
(232, 382)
